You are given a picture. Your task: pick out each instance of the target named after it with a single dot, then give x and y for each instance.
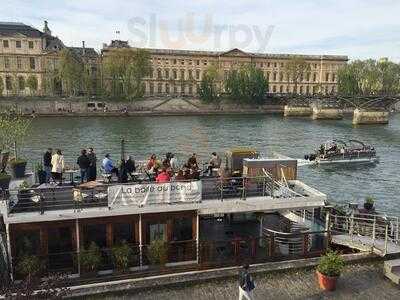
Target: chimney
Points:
(83, 48)
(46, 28)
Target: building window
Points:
(274, 89)
(167, 88)
(32, 63)
(167, 74)
(327, 77)
(190, 74)
(182, 89)
(197, 74)
(30, 45)
(315, 77)
(151, 73)
(274, 78)
(17, 44)
(8, 83)
(159, 76)
(281, 89)
(190, 89)
(159, 88)
(151, 88)
(5, 44)
(301, 89)
(6, 62)
(19, 63)
(198, 62)
(183, 74)
(205, 63)
(157, 232)
(314, 89)
(174, 74)
(267, 76)
(21, 83)
(333, 77)
(307, 89)
(275, 65)
(287, 89)
(268, 64)
(175, 89)
(123, 232)
(281, 77)
(308, 77)
(182, 62)
(174, 61)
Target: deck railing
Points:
(41, 199)
(181, 256)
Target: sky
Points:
(358, 29)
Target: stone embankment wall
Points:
(150, 106)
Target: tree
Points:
(1, 86)
(13, 129)
(124, 70)
(70, 72)
(32, 84)
(246, 85)
(209, 91)
(296, 68)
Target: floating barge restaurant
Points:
(263, 214)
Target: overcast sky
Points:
(359, 29)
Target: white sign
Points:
(154, 193)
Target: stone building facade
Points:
(179, 72)
(28, 52)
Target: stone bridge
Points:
(366, 109)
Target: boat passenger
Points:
(92, 171)
(214, 163)
(83, 163)
(108, 165)
(153, 164)
(180, 176)
(47, 163)
(163, 176)
(192, 162)
(174, 163)
(57, 166)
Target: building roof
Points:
(80, 51)
(238, 52)
(8, 29)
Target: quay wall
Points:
(297, 111)
(320, 113)
(150, 106)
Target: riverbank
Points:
(358, 281)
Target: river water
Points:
(205, 134)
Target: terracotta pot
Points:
(327, 283)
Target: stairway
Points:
(391, 269)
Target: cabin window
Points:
(95, 233)
(60, 239)
(157, 232)
(27, 242)
(123, 232)
(182, 229)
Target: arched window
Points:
(21, 83)
(274, 89)
(301, 89)
(167, 88)
(159, 88)
(281, 89)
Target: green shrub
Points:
(331, 264)
(122, 255)
(29, 265)
(4, 176)
(158, 252)
(91, 258)
(369, 200)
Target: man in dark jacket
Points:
(246, 284)
(92, 171)
(83, 162)
(47, 163)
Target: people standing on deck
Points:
(163, 176)
(174, 163)
(214, 163)
(57, 166)
(246, 284)
(92, 171)
(130, 165)
(83, 162)
(108, 165)
(167, 161)
(47, 163)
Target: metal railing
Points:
(41, 199)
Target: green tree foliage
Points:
(13, 128)
(246, 85)
(369, 77)
(32, 84)
(296, 68)
(209, 91)
(1, 86)
(124, 70)
(70, 72)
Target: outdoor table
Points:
(71, 174)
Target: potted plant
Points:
(90, 260)
(329, 269)
(4, 181)
(41, 174)
(18, 167)
(369, 203)
(158, 252)
(29, 266)
(122, 256)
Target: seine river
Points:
(205, 134)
